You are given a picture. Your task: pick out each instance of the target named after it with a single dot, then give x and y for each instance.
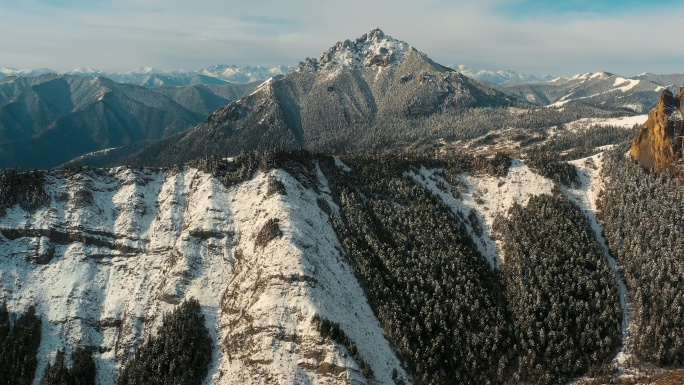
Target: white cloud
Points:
(173, 34)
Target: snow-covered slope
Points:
(487, 196)
(115, 249)
(637, 94)
(585, 196)
(626, 122)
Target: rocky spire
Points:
(658, 145)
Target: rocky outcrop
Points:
(111, 251)
(658, 145)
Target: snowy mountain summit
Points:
(344, 100)
(372, 49)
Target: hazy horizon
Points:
(527, 36)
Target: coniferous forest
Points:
(643, 218)
(82, 371)
(178, 354)
(562, 295)
(19, 346)
(549, 314)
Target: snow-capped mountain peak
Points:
(144, 70)
(84, 71)
(590, 76)
(372, 49)
(8, 71)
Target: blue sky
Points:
(605, 7)
(531, 36)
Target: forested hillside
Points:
(408, 226)
(643, 215)
(50, 119)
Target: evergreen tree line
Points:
(643, 220)
(19, 347)
(548, 165)
(562, 295)
(83, 370)
(436, 297)
(452, 318)
(576, 144)
(179, 353)
(26, 188)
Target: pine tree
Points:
(179, 353)
(18, 359)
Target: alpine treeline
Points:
(25, 188)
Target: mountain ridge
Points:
(347, 99)
(151, 77)
(603, 89)
(49, 119)
(500, 76)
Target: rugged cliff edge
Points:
(115, 249)
(658, 145)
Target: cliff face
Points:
(658, 144)
(113, 250)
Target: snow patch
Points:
(620, 84)
(341, 165)
(585, 197)
(490, 197)
(626, 122)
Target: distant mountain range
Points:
(439, 229)
(500, 76)
(377, 92)
(370, 93)
(638, 94)
(221, 74)
(49, 119)
(373, 92)
(151, 77)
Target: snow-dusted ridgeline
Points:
(124, 246)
